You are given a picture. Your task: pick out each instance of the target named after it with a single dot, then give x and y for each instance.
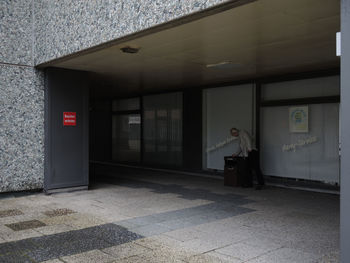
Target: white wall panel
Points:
(317, 161)
(225, 108)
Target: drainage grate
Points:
(26, 225)
(11, 212)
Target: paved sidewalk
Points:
(158, 217)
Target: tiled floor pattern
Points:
(38, 249)
(158, 218)
(221, 206)
(156, 224)
(179, 190)
(59, 212)
(24, 225)
(10, 212)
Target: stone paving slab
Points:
(58, 251)
(245, 251)
(10, 212)
(58, 212)
(20, 235)
(92, 256)
(68, 243)
(224, 258)
(211, 258)
(126, 250)
(54, 229)
(184, 234)
(178, 219)
(151, 230)
(15, 258)
(170, 218)
(26, 225)
(53, 261)
(16, 247)
(286, 255)
(18, 218)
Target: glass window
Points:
(305, 88)
(126, 131)
(163, 129)
(313, 155)
(126, 104)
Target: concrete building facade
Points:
(36, 32)
(22, 100)
(37, 36)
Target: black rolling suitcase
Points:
(231, 176)
(237, 172)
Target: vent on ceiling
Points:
(130, 50)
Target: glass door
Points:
(162, 130)
(126, 131)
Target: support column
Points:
(345, 133)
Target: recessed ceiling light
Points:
(223, 64)
(130, 50)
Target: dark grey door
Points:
(66, 146)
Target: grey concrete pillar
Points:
(345, 133)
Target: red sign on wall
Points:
(69, 118)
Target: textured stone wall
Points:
(63, 27)
(21, 128)
(21, 100)
(16, 32)
(37, 31)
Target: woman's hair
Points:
(234, 129)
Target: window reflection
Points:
(163, 129)
(126, 131)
